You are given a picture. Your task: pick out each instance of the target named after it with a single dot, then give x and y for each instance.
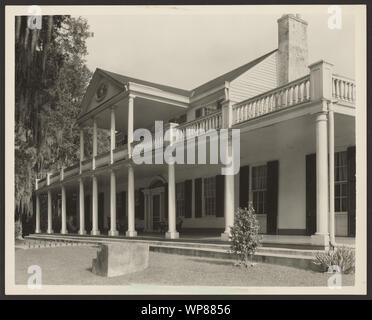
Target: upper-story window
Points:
(259, 186)
(341, 184)
(210, 108)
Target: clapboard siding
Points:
(259, 79)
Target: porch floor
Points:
(288, 241)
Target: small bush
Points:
(343, 257)
(18, 229)
(244, 235)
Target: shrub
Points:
(244, 235)
(343, 257)
(18, 229)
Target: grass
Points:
(71, 266)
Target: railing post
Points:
(321, 81)
(227, 114)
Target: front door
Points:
(155, 211)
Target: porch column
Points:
(81, 148)
(81, 207)
(113, 231)
(50, 223)
(130, 123)
(95, 230)
(113, 135)
(229, 206)
(63, 209)
(331, 137)
(131, 198)
(37, 227)
(321, 237)
(172, 232)
(94, 143)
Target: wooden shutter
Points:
(244, 187)
(310, 194)
(188, 198)
(198, 198)
(140, 205)
(220, 196)
(272, 196)
(351, 190)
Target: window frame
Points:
(251, 191)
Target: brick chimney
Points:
(293, 52)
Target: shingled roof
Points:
(229, 76)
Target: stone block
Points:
(118, 259)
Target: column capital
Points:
(321, 116)
(131, 96)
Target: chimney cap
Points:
(296, 17)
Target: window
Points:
(180, 199)
(199, 113)
(341, 184)
(210, 196)
(259, 177)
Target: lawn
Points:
(71, 266)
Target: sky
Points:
(185, 50)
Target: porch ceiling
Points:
(146, 111)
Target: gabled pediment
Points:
(100, 89)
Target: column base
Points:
(113, 233)
(225, 236)
(50, 231)
(82, 232)
(64, 232)
(37, 231)
(131, 233)
(320, 240)
(95, 233)
(172, 235)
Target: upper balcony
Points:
(301, 93)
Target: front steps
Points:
(298, 258)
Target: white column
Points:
(94, 143)
(95, 230)
(113, 231)
(331, 137)
(37, 217)
(81, 207)
(113, 134)
(131, 198)
(130, 123)
(172, 232)
(50, 222)
(81, 148)
(229, 206)
(321, 237)
(63, 209)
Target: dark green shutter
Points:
(244, 187)
(198, 198)
(188, 198)
(220, 195)
(272, 196)
(351, 190)
(310, 194)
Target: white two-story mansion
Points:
(297, 153)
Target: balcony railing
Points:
(86, 165)
(102, 159)
(54, 177)
(41, 183)
(293, 93)
(343, 89)
(70, 171)
(200, 125)
(121, 153)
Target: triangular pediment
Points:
(100, 89)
